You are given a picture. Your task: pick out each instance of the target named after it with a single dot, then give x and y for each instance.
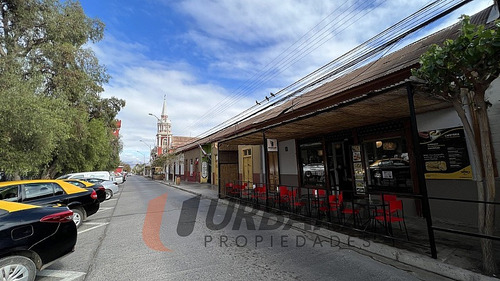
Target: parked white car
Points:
(104, 175)
(110, 187)
(117, 177)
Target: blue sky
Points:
(206, 55)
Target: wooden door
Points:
(274, 175)
(247, 170)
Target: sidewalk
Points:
(453, 258)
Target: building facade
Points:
(164, 131)
(366, 132)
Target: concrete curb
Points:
(404, 256)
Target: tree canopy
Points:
(52, 117)
(470, 61)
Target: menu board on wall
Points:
(359, 172)
(445, 154)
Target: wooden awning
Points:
(368, 109)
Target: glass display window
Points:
(388, 165)
(312, 164)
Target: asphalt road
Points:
(150, 231)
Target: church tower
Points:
(164, 131)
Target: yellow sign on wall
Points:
(445, 154)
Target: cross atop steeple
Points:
(164, 109)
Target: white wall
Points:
(493, 96)
(288, 157)
(442, 119)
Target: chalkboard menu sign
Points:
(445, 154)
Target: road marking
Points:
(97, 224)
(105, 208)
(109, 200)
(66, 275)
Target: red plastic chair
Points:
(245, 192)
(230, 189)
(387, 198)
(394, 214)
(319, 194)
(352, 212)
(390, 197)
(295, 200)
(236, 190)
(259, 193)
(283, 195)
(340, 200)
(332, 206)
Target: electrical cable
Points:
(244, 89)
(357, 56)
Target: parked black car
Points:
(31, 237)
(99, 188)
(83, 202)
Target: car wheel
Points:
(17, 268)
(78, 216)
(109, 194)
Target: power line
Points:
(257, 79)
(358, 56)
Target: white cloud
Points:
(233, 42)
(143, 82)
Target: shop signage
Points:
(272, 145)
(204, 170)
(359, 172)
(445, 154)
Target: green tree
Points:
(461, 71)
(88, 148)
(31, 127)
(50, 88)
(162, 160)
(139, 169)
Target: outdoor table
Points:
(371, 206)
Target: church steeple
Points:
(164, 133)
(164, 109)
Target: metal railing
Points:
(313, 205)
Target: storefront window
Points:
(313, 168)
(388, 166)
(339, 166)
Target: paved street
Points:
(137, 236)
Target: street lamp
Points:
(144, 162)
(150, 149)
(144, 156)
(151, 114)
(159, 121)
